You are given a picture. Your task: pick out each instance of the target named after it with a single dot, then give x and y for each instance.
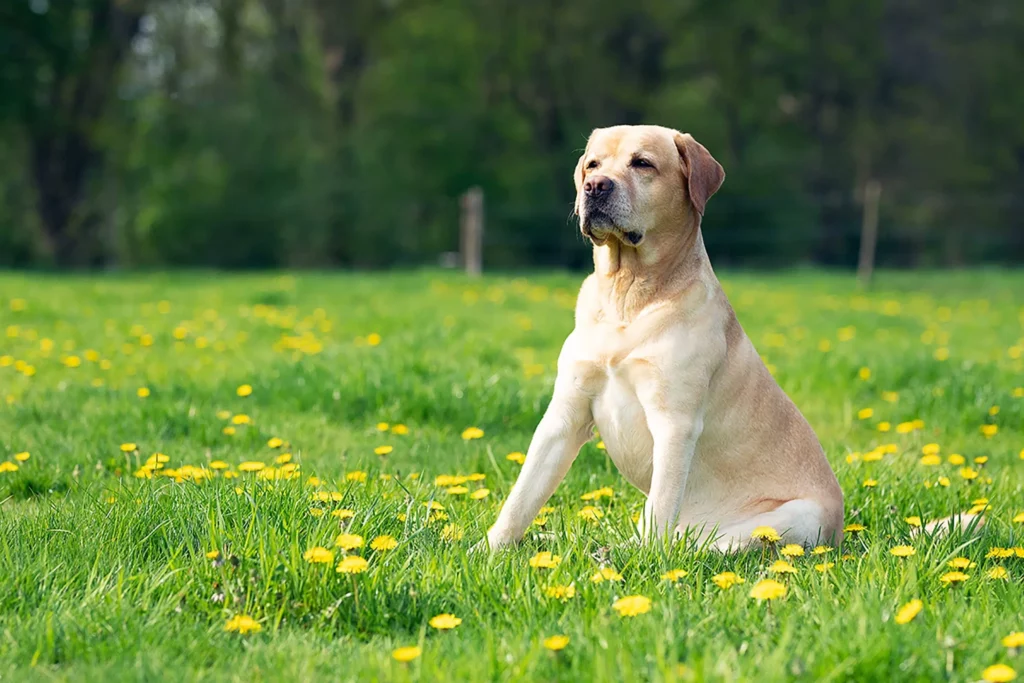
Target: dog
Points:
(658, 362)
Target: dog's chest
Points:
(618, 415)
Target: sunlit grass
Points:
(296, 409)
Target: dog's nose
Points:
(598, 186)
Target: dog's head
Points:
(632, 179)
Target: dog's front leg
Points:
(675, 439)
(563, 430)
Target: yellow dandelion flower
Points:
(989, 430)
(902, 551)
(883, 426)
(129, 447)
(930, 460)
(229, 431)
(352, 564)
(909, 611)
(765, 534)
(241, 419)
(400, 430)
(560, 592)
(782, 567)
(824, 566)
(343, 513)
(8, 466)
(727, 580)
(22, 457)
(1015, 639)
(348, 541)
(870, 483)
(590, 513)
(606, 574)
(358, 476)
(218, 465)
(998, 574)
(471, 433)
(931, 449)
(767, 589)
(821, 550)
(244, 390)
(998, 673)
(632, 605)
(674, 575)
(318, 555)
(865, 413)
(406, 654)
(913, 520)
(999, 553)
(480, 494)
(545, 560)
(384, 542)
(452, 533)
(968, 473)
(142, 392)
(251, 466)
(556, 643)
(854, 528)
(383, 450)
(792, 550)
(444, 622)
(950, 578)
(943, 481)
(961, 563)
(457, 490)
(516, 457)
(1019, 518)
(275, 442)
(242, 624)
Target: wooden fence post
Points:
(869, 232)
(471, 231)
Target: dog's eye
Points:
(637, 162)
(594, 163)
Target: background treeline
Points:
(259, 133)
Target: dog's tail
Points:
(967, 522)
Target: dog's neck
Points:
(669, 261)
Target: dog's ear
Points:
(578, 179)
(703, 174)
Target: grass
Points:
(105, 574)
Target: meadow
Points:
(282, 477)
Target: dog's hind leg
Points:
(802, 521)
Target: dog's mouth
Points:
(598, 229)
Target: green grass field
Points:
(117, 564)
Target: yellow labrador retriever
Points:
(658, 362)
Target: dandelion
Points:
(902, 551)
(909, 611)
(606, 574)
(727, 580)
(213, 554)
(8, 466)
(251, 466)
(765, 534)
(998, 574)
(384, 542)
(931, 449)
(556, 643)
(357, 476)
(406, 654)
(999, 553)
(870, 483)
(348, 541)
(516, 457)
(782, 567)
(930, 460)
(129, 447)
(989, 430)
(1019, 518)
(998, 673)
(913, 520)
(943, 481)
(383, 450)
(142, 392)
(244, 390)
(545, 560)
(452, 533)
(674, 575)
(632, 605)
(560, 592)
(480, 494)
(792, 550)
(961, 563)
(1015, 639)
(242, 624)
(883, 426)
(275, 442)
(241, 419)
(951, 578)
(471, 433)
(590, 513)
(373, 339)
(444, 622)
(854, 528)
(352, 564)
(824, 567)
(767, 589)
(457, 490)
(400, 430)
(865, 413)
(318, 555)
(229, 431)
